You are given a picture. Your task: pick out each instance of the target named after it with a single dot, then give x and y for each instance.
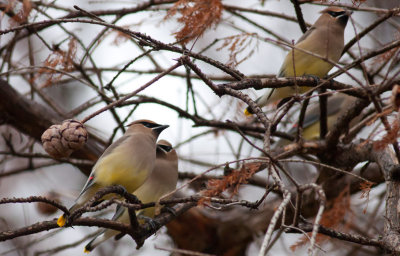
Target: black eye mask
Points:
(165, 148)
(149, 125)
(336, 14)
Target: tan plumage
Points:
(127, 162)
(162, 180)
(324, 40)
(336, 106)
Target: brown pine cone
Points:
(61, 140)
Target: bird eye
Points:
(149, 125)
(336, 14)
(165, 148)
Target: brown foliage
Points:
(385, 57)
(390, 137)
(58, 59)
(333, 218)
(21, 16)
(388, 55)
(237, 44)
(196, 16)
(120, 37)
(233, 180)
(365, 189)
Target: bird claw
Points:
(316, 78)
(152, 222)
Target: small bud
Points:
(61, 140)
(395, 98)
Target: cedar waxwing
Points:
(325, 39)
(336, 106)
(129, 161)
(162, 180)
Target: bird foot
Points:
(316, 78)
(152, 222)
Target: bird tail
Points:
(101, 237)
(247, 112)
(62, 220)
(261, 102)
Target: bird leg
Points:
(133, 219)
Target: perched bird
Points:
(129, 161)
(324, 40)
(162, 180)
(336, 106)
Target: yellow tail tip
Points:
(61, 221)
(247, 113)
(86, 250)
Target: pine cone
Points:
(73, 134)
(61, 140)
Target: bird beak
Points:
(160, 128)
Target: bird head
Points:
(165, 150)
(146, 125)
(336, 14)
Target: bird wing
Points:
(288, 57)
(118, 212)
(305, 35)
(261, 101)
(88, 184)
(91, 180)
(313, 115)
(114, 145)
